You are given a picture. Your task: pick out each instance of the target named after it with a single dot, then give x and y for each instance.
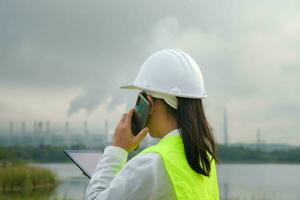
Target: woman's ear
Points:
(150, 99)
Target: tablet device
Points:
(85, 160)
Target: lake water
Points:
(236, 181)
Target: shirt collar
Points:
(173, 132)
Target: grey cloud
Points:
(97, 45)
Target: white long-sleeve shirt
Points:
(142, 177)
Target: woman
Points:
(182, 164)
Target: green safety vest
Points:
(187, 184)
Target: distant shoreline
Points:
(225, 154)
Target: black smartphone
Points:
(140, 114)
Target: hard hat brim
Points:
(129, 86)
(132, 86)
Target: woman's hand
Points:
(124, 137)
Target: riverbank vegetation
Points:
(240, 154)
(226, 154)
(19, 177)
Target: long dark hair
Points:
(195, 132)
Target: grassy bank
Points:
(24, 178)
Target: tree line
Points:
(226, 154)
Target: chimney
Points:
(11, 128)
(258, 139)
(40, 127)
(47, 127)
(23, 128)
(106, 129)
(225, 128)
(85, 129)
(67, 127)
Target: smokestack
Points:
(258, 138)
(34, 127)
(23, 128)
(11, 128)
(67, 127)
(86, 133)
(225, 128)
(106, 129)
(85, 129)
(47, 127)
(40, 127)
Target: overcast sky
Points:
(64, 60)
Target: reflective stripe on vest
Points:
(187, 184)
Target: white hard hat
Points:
(172, 72)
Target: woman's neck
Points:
(167, 128)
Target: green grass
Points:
(24, 178)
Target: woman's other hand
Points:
(124, 137)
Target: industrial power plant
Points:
(39, 133)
